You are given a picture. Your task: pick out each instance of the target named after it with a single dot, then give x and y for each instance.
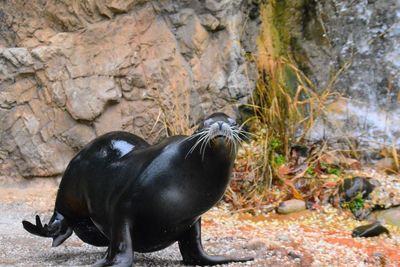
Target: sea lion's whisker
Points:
(197, 143)
(204, 135)
(196, 134)
(235, 130)
(237, 138)
(239, 132)
(203, 140)
(232, 143)
(228, 138)
(188, 138)
(204, 145)
(246, 132)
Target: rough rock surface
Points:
(352, 48)
(72, 70)
(386, 194)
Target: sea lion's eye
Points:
(232, 122)
(208, 122)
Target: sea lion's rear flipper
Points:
(37, 229)
(58, 228)
(60, 238)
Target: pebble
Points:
(320, 239)
(256, 244)
(283, 237)
(294, 255)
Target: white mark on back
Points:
(122, 146)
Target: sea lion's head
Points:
(218, 126)
(217, 131)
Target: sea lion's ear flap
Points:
(200, 124)
(200, 120)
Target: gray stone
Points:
(183, 17)
(256, 244)
(19, 57)
(87, 97)
(388, 216)
(217, 5)
(209, 22)
(291, 206)
(283, 237)
(78, 136)
(121, 6)
(45, 53)
(58, 94)
(352, 187)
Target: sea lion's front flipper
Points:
(193, 253)
(120, 251)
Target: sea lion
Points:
(121, 192)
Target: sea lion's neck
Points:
(216, 160)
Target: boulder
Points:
(388, 216)
(352, 187)
(291, 206)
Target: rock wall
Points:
(350, 47)
(71, 70)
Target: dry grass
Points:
(174, 114)
(285, 106)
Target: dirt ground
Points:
(302, 239)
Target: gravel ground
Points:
(301, 239)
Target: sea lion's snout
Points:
(219, 126)
(220, 129)
(217, 131)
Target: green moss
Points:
(335, 171)
(291, 82)
(279, 160)
(289, 22)
(275, 144)
(280, 18)
(310, 171)
(356, 204)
